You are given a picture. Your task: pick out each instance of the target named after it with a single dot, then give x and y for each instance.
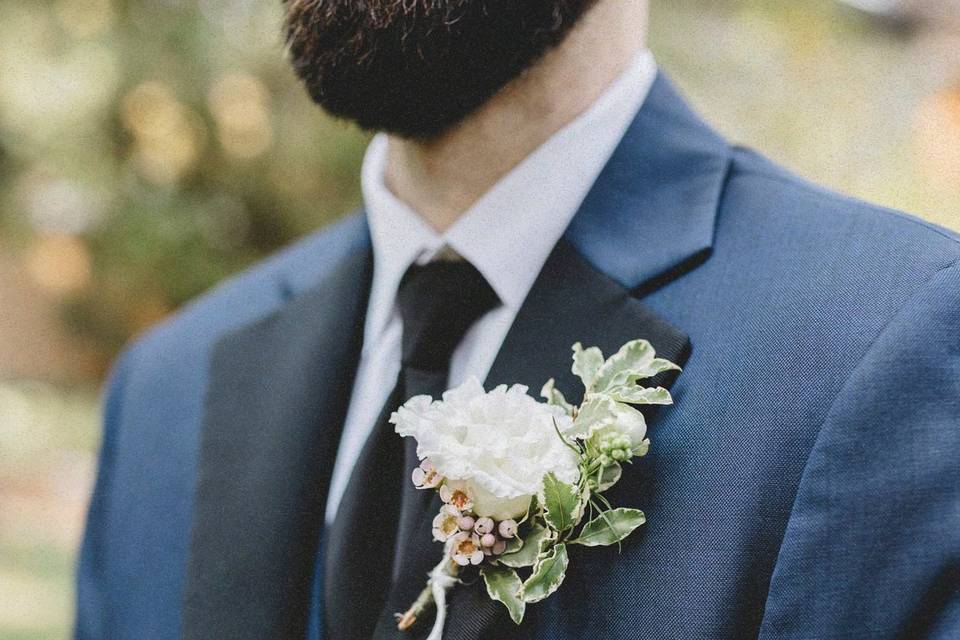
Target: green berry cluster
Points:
(614, 448)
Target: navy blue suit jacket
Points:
(805, 485)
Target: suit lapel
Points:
(650, 216)
(274, 409)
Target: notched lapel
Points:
(571, 301)
(650, 216)
(274, 409)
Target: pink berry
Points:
(488, 540)
(483, 525)
(499, 547)
(508, 528)
(466, 523)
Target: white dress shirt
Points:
(507, 235)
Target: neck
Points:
(441, 178)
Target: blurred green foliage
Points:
(167, 139)
(149, 148)
(47, 439)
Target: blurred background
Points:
(149, 148)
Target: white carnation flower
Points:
(496, 446)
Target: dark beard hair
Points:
(416, 68)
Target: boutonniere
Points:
(522, 480)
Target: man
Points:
(539, 182)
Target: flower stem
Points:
(425, 600)
(409, 617)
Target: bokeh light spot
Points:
(59, 263)
(240, 104)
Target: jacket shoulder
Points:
(806, 202)
(823, 231)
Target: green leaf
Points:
(598, 411)
(531, 509)
(641, 449)
(635, 355)
(610, 527)
(561, 503)
(503, 585)
(555, 397)
(635, 360)
(609, 477)
(633, 394)
(659, 365)
(527, 554)
(547, 575)
(586, 364)
(514, 544)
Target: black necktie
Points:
(438, 303)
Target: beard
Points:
(416, 68)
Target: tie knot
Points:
(438, 302)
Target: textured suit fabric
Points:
(804, 485)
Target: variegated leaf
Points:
(610, 527)
(561, 502)
(554, 396)
(586, 364)
(547, 575)
(503, 585)
(526, 554)
(633, 394)
(598, 411)
(634, 361)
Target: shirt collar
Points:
(508, 233)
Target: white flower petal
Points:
(501, 443)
